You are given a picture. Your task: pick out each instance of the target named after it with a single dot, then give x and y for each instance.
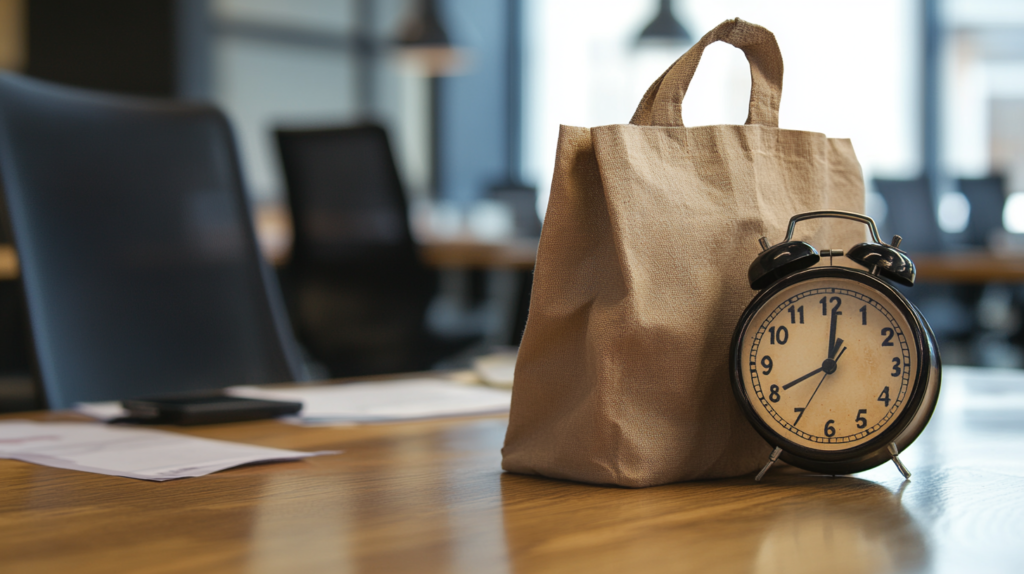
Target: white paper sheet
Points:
(384, 401)
(131, 452)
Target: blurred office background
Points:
(930, 92)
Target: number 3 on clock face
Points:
(828, 363)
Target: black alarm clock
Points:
(832, 365)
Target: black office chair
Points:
(140, 267)
(18, 391)
(999, 325)
(911, 214)
(987, 198)
(357, 291)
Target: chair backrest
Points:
(346, 197)
(987, 197)
(138, 257)
(358, 291)
(911, 214)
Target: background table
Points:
(430, 497)
(970, 267)
(518, 253)
(513, 253)
(9, 268)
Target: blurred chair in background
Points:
(523, 202)
(357, 291)
(999, 337)
(138, 258)
(911, 214)
(18, 391)
(987, 197)
(950, 309)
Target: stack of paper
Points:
(384, 401)
(129, 451)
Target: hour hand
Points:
(839, 342)
(801, 379)
(835, 347)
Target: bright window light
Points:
(1013, 213)
(954, 211)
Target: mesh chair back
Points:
(911, 214)
(358, 291)
(139, 262)
(346, 198)
(987, 198)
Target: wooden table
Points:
(9, 268)
(521, 254)
(516, 253)
(430, 497)
(970, 267)
(273, 226)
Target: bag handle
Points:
(662, 105)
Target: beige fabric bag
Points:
(641, 275)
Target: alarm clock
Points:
(832, 365)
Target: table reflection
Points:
(867, 533)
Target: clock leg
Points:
(895, 458)
(771, 460)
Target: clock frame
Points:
(873, 449)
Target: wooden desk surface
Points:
(430, 497)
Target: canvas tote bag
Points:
(622, 376)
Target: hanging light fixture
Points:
(423, 43)
(665, 29)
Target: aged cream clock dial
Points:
(833, 366)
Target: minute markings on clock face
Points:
(828, 363)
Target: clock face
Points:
(828, 363)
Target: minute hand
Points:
(801, 379)
(832, 347)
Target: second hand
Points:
(816, 390)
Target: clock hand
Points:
(832, 334)
(839, 342)
(803, 410)
(825, 366)
(808, 375)
(835, 347)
